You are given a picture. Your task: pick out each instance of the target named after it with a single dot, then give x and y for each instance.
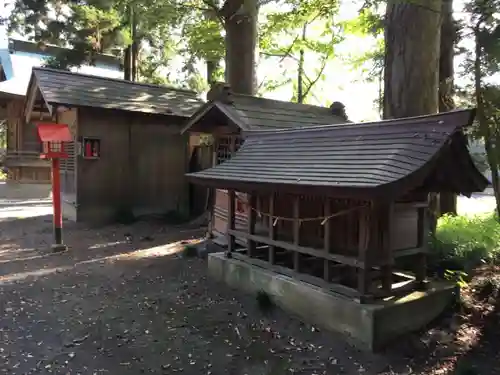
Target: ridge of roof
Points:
(349, 124)
(122, 81)
(277, 101)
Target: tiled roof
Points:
(253, 113)
(75, 89)
(354, 156)
(262, 113)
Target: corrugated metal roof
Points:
(75, 89)
(362, 155)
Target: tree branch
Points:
(312, 83)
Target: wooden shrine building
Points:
(341, 206)
(127, 152)
(226, 116)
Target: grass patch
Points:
(465, 242)
(190, 250)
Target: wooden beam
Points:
(409, 252)
(296, 232)
(363, 245)
(252, 217)
(386, 215)
(272, 228)
(423, 239)
(231, 196)
(336, 288)
(347, 260)
(327, 238)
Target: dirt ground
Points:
(120, 304)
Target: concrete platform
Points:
(370, 326)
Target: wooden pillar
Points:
(232, 145)
(364, 280)
(272, 228)
(252, 216)
(385, 227)
(296, 231)
(327, 238)
(423, 239)
(212, 192)
(230, 222)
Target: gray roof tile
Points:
(252, 113)
(363, 155)
(62, 87)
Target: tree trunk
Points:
(212, 64)
(484, 127)
(134, 48)
(135, 57)
(300, 70)
(127, 71)
(447, 201)
(412, 40)
(411, 81)
(240, 22)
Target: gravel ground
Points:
(112, 306)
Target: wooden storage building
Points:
(226, 116)
(340, 206)
(27, 173)
(127, 153)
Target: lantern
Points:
(53, 137)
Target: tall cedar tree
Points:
(240, 23)
(411, 79)
(447, 201)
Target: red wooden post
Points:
(56, 203)
(52, 137)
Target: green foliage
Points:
(465, 242)
(190, 250)
(458, 277)
(369, 23)
(306, 33)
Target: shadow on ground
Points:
(123, 301)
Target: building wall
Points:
(69, 165)
(23, 148)
(141, 167)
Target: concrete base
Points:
(368, 325)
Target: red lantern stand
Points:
(53, 137)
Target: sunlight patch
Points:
(12, 278)
(153, 252)
(106, 244)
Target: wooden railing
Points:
(26, 158)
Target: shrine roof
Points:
(60, 87)
(384, 157)
(248, 112)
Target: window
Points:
(225, 146)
